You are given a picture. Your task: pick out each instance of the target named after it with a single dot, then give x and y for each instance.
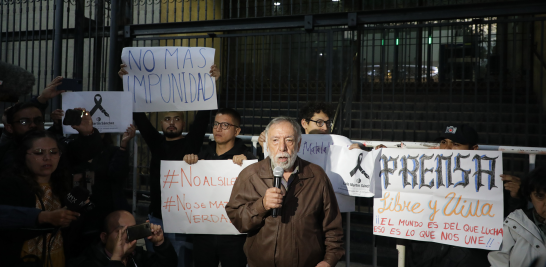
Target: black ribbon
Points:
(98, 106)
(358, 168)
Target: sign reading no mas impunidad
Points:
(170, 78)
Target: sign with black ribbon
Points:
(356, 178)
(359, 168)
(112, 112)
(98, 102)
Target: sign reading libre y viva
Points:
(170, 78)
(445, 196)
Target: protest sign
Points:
(314, 148)
(194, 197)
(170, 78)
(353, 171)
(111, 111)
(452, 197)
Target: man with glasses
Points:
(171, 145)
(209, 250)
(315, 119)
(24, 117)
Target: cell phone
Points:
(138, 231)
(70, 85)
(73, 117)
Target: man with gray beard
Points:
(307, 231)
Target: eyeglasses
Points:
(320, 123)
(40, 153)
(27, 121)
(224, 125)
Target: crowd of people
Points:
(41, 226)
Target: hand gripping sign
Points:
(116, 120)
(194, 196)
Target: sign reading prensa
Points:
(170, 78)
(194, 197)
(453, 197)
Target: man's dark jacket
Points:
(95, 256)
(209, 152)
(161, 149)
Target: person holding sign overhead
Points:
(307, 231)
(209, 250)
(171, 145)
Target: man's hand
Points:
(261, 139)
(512, 184)
(380, 146)
(61, 217)
(122, 71)
(57, 115)
(323, 264)
(51, 90)
(191, 159)
(239, 159)
(272, 198)
(127, 136)
(214, 72)
(354, 146)
(157, 237)
(121, 246)
(86, 127)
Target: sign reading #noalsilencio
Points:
(194, 197)
(453, 197)
(170, 78)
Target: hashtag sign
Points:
(169, 203)
(167, 179)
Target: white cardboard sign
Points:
(354, 170)
(453, 197)
(314, 148)
(194, 196)
(110, 111)
(170, 78)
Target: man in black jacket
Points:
(115, 250)
(171, 145)
(209, 250)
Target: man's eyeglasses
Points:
(223, 125)
(27, 121)
(40, 153)
(321, 123)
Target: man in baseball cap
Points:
(458, 137)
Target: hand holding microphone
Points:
(273, 196)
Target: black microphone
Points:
(76, 199)
(14, 82)
(277, 173)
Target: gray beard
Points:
(285, 166)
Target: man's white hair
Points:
(277, 120)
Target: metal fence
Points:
(392, 69)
